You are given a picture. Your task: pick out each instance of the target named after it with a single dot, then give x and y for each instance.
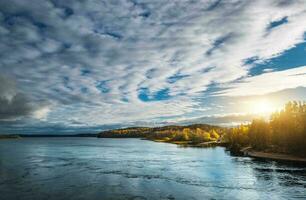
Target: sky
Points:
(84, 66)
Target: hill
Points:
(195, 134)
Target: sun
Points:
(262, 106)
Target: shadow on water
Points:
(280, 174)
(272, 175)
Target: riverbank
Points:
(191, 144)
(9, 137)
(248, 151)
(273, 156)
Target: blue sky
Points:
(82, 66)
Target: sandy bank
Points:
(273, 156)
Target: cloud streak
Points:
(268, 82)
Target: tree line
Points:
(194, 134)
(284, 132)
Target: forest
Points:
(191, 134)
(284, 132)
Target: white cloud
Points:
(41, 113)
(61, 55)
(268, 82)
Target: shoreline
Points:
(248, 152)
(6, 137)
(273, 156)
(189, 144)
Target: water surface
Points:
(95, 169)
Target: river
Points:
(97, 169)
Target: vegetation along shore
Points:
(282, 137)
(9, 137)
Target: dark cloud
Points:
(16, 107)
(12, 103)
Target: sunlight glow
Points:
(262, 106)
